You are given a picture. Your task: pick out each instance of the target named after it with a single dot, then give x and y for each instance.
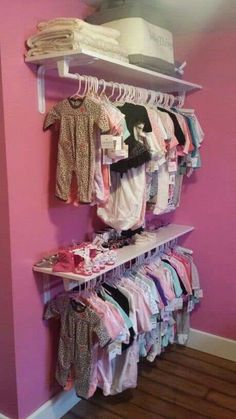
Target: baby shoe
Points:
(111, 257)
(47, 262)
(95, 266)
(84, 268)
(65, 262)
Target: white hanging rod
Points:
(126, 92)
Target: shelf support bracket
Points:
(41, 88)
(63, 69)
(46, 288)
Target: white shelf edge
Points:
(127, 253)
(50, 61)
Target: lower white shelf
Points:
(127, 253)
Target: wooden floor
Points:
(182, 383)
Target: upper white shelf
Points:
(127, 253)
(98, 65)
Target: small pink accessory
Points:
(65, 262)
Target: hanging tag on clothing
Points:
(161, 161)
(179, 303)
(198, 293)
(171, 321)
(190, 305)
(165, 315)
(114, 349)
(112, 353)
(194, 161)
(172, 180)
(124, 336)
(172, 166)
(154, 321)
(105, 158)
(176, 304)
(118, 142)
(152, 166)
(107, 141)
(118, 348)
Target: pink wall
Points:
(209, 198)
(38, 222)
(8, 395)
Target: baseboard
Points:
(3, 416)
(212, 344)
(56, 407)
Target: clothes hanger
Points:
(78, 94)
(168, 101)
(95, 86)
(90, 86)
(112, 92)
(102, 93)
(149, 98)
(130, 94)
(158, 99)
(124, 97)
(171, 100)
(145, 96)
(119, 87)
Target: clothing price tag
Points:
(154, 322)
(106, 159)
(152, 166)
(154, 307)
(172, 166)
(194, 161)
(172, 180)
(118, 142)
(190, 306)
(124, 337)
(171, 321)
(179, 303)
(161, 161)
(170, 306)
(165, 316)
(117, 154)
(114, 349)
(118, 348)
(107, 141)
(198, 293)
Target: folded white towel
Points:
(74, 23)
(67, 32)
(68, 37)
(39, 51)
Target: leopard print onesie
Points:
(76, 146)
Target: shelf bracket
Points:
(63, 72)
(63, 69)
(41, 88)
(46, 288)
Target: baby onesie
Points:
(76, 148)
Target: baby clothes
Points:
(138, 151)
(76, 148)
(79, 327)
(125, 206)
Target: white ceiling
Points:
(183, 16)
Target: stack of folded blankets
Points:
(71, 34)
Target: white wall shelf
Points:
(97, 65)
(126, 254)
